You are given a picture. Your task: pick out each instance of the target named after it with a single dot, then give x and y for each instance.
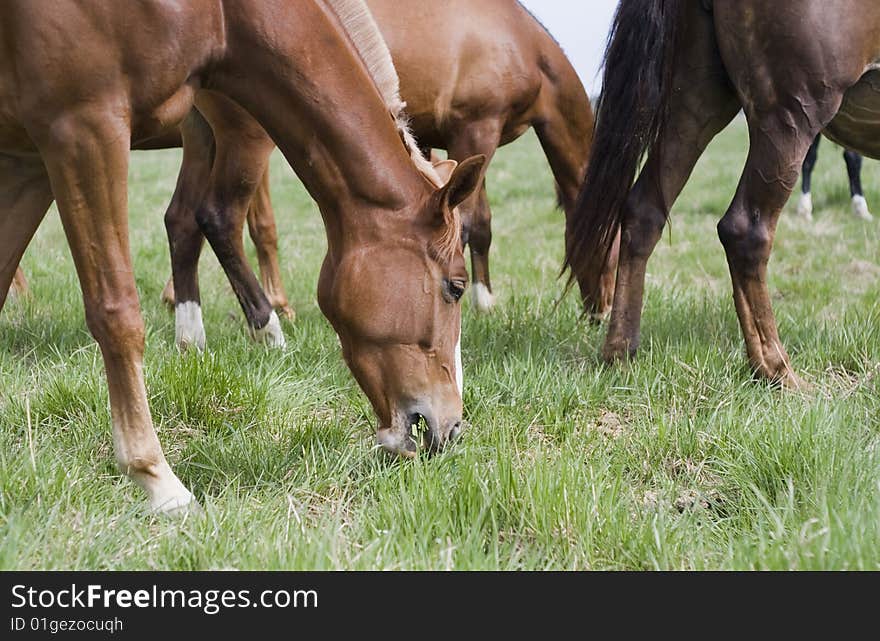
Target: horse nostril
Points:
(455, 431)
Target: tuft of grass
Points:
(675, 461)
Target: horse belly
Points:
(161, 120)
(857, 125)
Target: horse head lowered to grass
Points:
(394, 269)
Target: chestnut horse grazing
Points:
(475, 76)
(67, 123)
(677, 72)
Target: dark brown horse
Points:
(133, 71)
(677, 72)
(475, 76)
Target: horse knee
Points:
(746, 239)
(116, 325)
(215, 222)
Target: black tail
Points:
(631, 115)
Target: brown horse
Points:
(677, 72)
(66, 126)
(475, 76)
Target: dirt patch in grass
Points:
(860, 275)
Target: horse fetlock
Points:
(805, 206)
(271, 334)
(482, 298)
(617, 350)
(166, 492)
(189, 327)
(860, 208)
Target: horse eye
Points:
(455, 289)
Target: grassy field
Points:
(678, 461)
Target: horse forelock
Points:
(361, 27)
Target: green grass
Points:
(678, 461)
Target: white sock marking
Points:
(271, 334)
(482, 297)
(190, 331)
(860, 208)
(805, 206)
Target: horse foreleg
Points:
(25, 196)
(88, 168)
(185, 239)
(472, 140)
(261, 224)
(240, 161)
(854, 169)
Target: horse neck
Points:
(303, 80)
(362, 183)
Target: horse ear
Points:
(444, 169)
(463, 182)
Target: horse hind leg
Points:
(854, 169)
(471, 140)
(264, 233)
(747, 231)
(25, 196)
(805, 203)
(87, 164)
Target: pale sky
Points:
(581, 27)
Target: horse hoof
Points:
(618, 352)
(794, 383)
(482, 298)
(805, 206)
(189, 328)
(860, 208)
(271, 335)
(287, 312)
(179, 507)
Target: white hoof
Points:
(270, 335)
(482, 298)
(805, 206)
(168, 495)
(860, 208)
(190, 330)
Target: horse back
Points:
(65, 56)
(461, 61)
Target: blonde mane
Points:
(361, 27)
